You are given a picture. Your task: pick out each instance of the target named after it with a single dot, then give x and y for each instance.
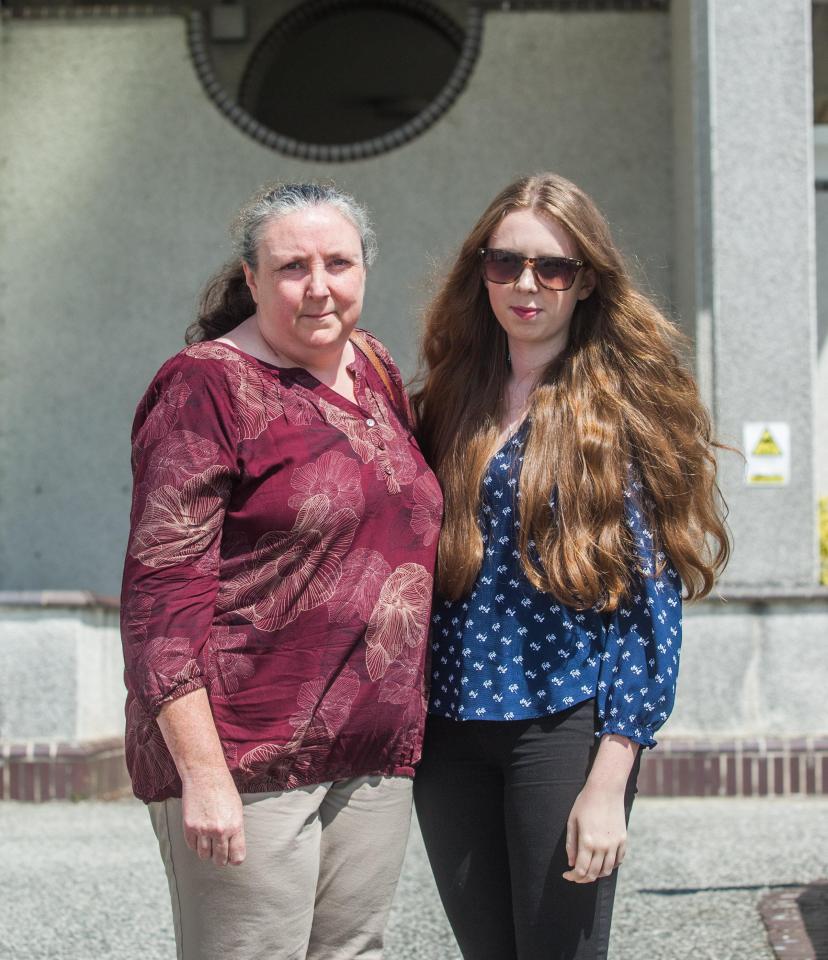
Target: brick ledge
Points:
(35, 771)
(736, 767)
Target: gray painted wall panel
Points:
(821, 431)
(117, 181)
(764, 332)
(752, 672)
(38, 666)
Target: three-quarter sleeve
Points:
(640, 661)
(184, 442)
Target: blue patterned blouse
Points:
(510, 652)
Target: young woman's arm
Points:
(596, 832)
(636, 690)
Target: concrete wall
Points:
(752, 670)
(820, 65)
(763, 343)
(118, 178)
(741, 676)
(61, 673)
(692, 293)
(821, 431)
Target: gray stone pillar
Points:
(745, 282)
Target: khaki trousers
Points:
(321, 869)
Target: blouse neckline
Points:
(302, 372)
(517, 437)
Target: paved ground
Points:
(84, 882)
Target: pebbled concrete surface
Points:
(84, 882)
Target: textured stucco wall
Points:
(691, 149)
(60, 675)
(61, 672)
(117, 181)
(752, 670)
(764, 332)
(821, 431)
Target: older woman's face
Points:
(309, 282)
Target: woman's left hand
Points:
(596, 834)
(596, 831)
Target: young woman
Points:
(578, 472)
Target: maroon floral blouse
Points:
(281, 554)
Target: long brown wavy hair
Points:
(617, 403)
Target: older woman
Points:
(276, 598)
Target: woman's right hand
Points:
(212, 807)
(213, 817)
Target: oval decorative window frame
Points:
(345, 152)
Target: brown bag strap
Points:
(396, 396)
(359, 339)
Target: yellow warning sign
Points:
(767, 449)
(766, 446)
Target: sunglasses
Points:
(506, 266)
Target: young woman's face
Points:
(309, 282)
(531, 315)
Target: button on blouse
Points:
(509, 651)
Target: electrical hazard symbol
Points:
(767, 448)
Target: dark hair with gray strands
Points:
(226, 300)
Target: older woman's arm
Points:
(212, 807)
(184, 464)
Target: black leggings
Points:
(493, 798)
